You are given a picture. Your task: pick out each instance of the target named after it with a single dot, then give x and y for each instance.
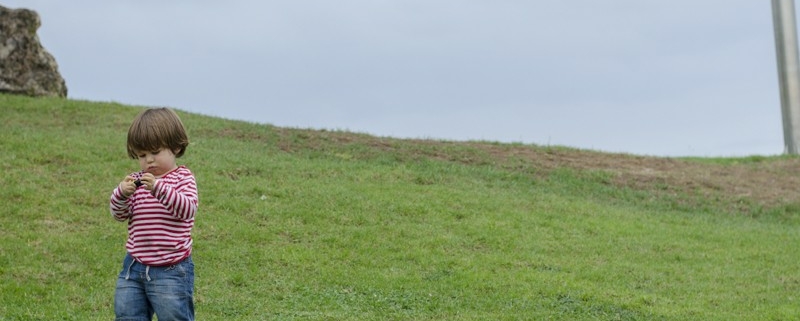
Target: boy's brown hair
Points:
(157, 128)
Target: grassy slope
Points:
(318, 225)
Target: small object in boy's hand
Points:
(138, 183)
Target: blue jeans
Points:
(166, 291)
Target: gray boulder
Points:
(25, 66)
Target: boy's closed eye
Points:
(144, 154)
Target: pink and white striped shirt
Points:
(159, 223)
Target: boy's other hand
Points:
(127, 186)
(148, 180)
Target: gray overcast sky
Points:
(662, 77)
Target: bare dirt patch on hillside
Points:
(743, 184)
(764, 182)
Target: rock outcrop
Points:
(25, 66)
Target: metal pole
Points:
(788, 71)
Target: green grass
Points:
(326, 225)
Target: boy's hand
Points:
(127, 186)
(148, 180)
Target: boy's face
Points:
(158, 162)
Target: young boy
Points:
(159, 203)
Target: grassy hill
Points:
(327, 225)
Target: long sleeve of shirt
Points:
(119, 205)
(179, 198)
